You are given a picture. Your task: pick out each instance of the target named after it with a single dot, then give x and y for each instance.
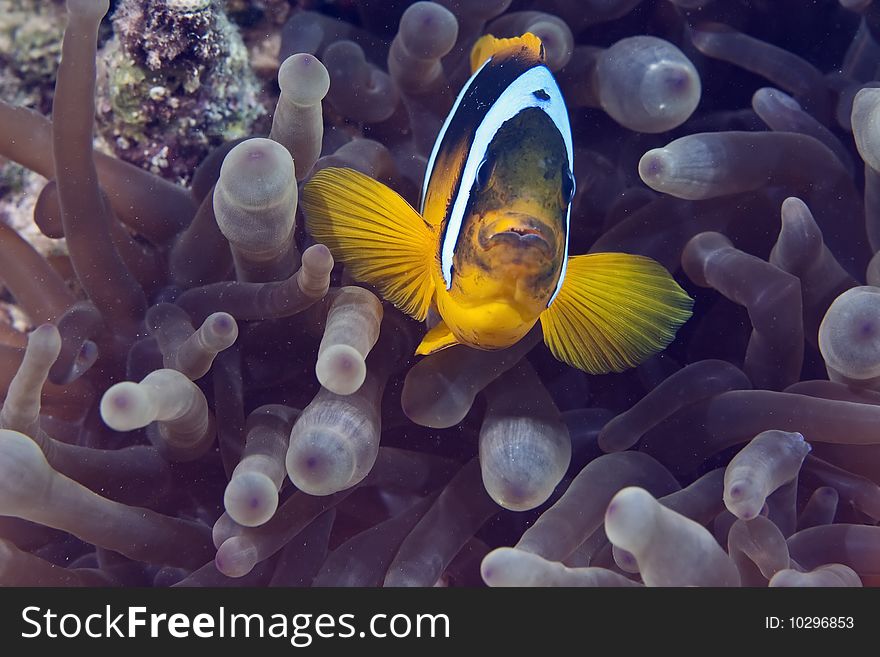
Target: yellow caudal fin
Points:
(527, 45)
(613, 311)
(436, 339)
(381, 239)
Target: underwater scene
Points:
(457, 293)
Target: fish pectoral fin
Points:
(439, 337)
(381, 239)
(613, 311)
(527, 45)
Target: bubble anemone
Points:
(191, 382)
(848, 337)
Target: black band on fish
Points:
(478, 116)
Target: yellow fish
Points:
(489, 247)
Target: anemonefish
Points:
(489, 247)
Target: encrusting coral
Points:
(204, 392)
(174, 83)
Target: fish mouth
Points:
(518, 231)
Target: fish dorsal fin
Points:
(528, 46)
(438, 338)
(381, 239)
(613, 311)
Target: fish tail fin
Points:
(381, 239)
(613, 311)
(527, 45)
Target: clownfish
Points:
(488, 248)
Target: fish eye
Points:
(568, 186)
(484, 172)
